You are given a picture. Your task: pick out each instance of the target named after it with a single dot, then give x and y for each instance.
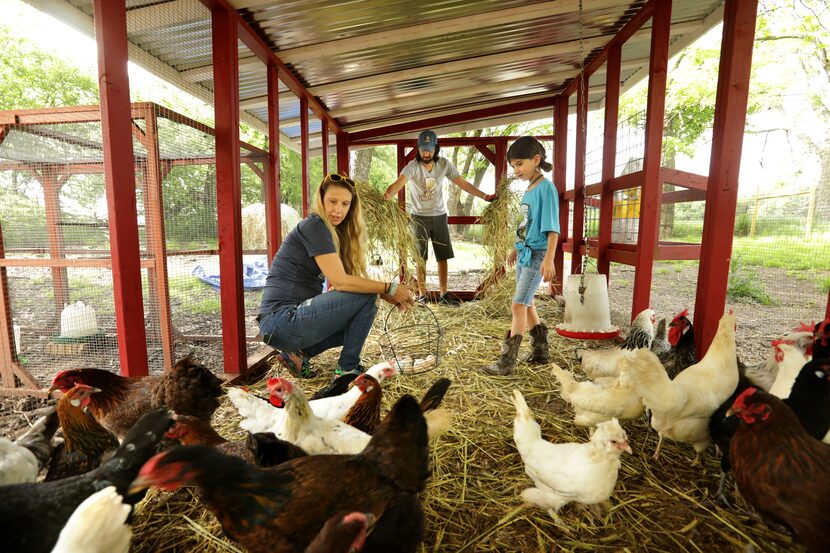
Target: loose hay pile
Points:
(472, 500)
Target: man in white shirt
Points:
(428, 207)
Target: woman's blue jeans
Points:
(323, 322)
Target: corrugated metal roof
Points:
(373, 63)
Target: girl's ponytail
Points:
(525, 148)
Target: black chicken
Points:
(32, 515)
(682, 354)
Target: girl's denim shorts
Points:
(528, 279)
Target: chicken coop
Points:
(325, 94)
(57, 249)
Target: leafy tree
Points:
(33, 78)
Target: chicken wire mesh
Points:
(412, 339)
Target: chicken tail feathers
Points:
(399, 446)
(38, 439)
(522, 410)
(435, 395)
(566, 381)
(140, 443)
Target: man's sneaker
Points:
(446, 300)
(297, 364)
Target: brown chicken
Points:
(261, 449)
(86, 444)
(188, 389)
(342, 533)
(282, 509)
(780, 469)
(365, 413)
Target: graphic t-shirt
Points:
(426, 188)
(294, 275)
(540, 215)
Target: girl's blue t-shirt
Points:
(540, 215)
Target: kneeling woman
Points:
(295, 316)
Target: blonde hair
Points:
(348, 235)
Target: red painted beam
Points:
(500, 164)
(633, 25)
(4, 132)
(264, 52)
(449, 140)
(116, 126)
(609, 158)
(273, 210)
(724, 167)
(304, 157)
(488, 154)
(624, 182)
(683, 178)
(8, 357)
(324, 137)
(652, 190)
(228, 187)
(679, 196)
(343, 153)
(678, 251)
(402, 161)
(560, 166)
(579, 174)
(472, 115)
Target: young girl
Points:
(536, 238)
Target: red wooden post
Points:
(324, 137)
(724, 167)
(8, 356)
(560, 166)
(343, 153)
(119, 169)
(154, 210)
(51, 200)
(827, 311)
(609, 158)
(228, 186)
(500, 164)
(402, 161)
(652, 190)
(304, 160)
(273, 210)
(579, 174)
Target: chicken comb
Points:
(684, 313)
(740, 401)
(776, 343)
(805, 327)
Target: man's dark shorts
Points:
(435, 228)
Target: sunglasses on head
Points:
(336, 177)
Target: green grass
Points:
(785, 252)
(745, 286)
(194, 296)
(824, 285)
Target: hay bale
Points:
(254, 230)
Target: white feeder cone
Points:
(587, 315)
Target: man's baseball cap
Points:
(427, 141)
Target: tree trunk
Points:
(822, 210)
(362, 164)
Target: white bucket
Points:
(78, 320)
(587, 314)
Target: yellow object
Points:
(626, 204)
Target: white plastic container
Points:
(78, 320)
(587, 313)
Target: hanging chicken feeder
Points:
(587, 313)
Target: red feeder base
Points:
(587, 335)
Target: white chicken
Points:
(681, 408)
(764, 373)
(98, 525)
(583, 473)
(790, 359)
(22, 459)
(594, 403)
(603, 362)
(260, 416)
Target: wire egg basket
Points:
(412, 339)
